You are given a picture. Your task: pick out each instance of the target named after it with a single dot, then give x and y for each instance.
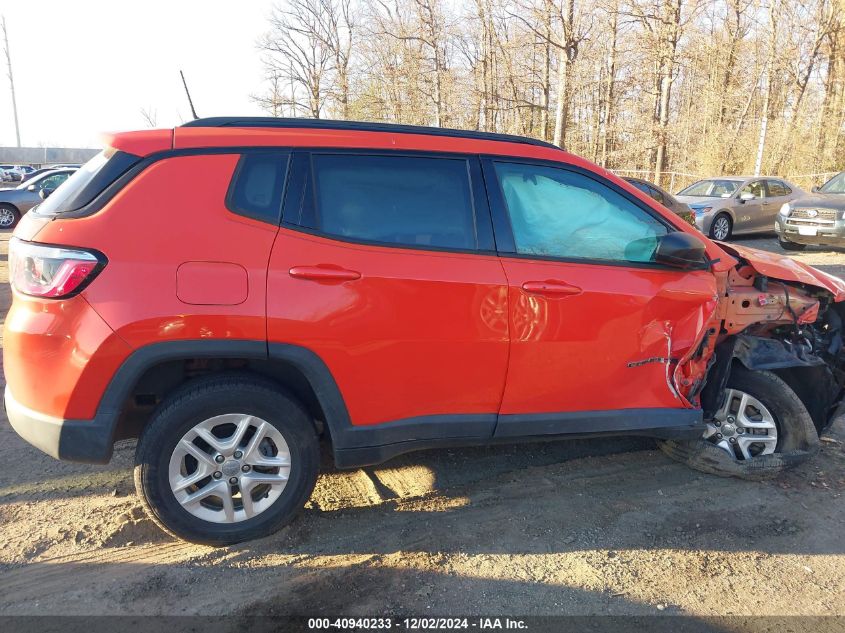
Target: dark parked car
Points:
(15, 202)
(664, 197)
(816, 218)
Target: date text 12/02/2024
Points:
(480, 623)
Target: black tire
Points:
(5, 210)
(790, 246)
(721, 217)
(797, 436)
(200, 400)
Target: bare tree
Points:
(150, 116)
(655, 86)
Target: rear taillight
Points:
(53, 272)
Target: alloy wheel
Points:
(743, 427)
(229, 468)
(7, 218)
(721, 228)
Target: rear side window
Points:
(404, 200)
(778, 188)
(88, 182)
(257, 186)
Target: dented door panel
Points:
(614, 344)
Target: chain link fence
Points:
(674, 181)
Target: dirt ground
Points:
(579, 527)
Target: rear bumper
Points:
(88, 441)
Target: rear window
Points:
(402, 200)
(88, 182)
(777, 188)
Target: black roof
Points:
(363, 126)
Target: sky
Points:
(86, 67)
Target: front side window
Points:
(52, 181)
(558, 213)
(755, 188)
(404, 200)
(715, 188)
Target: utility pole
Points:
(11, 81)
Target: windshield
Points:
(835, 184)
(715, 188)
(87, 182)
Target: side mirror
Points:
(31, 188)
(45, 192)
(816, 189)
(745, 197)
(680, 250)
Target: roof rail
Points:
(363, 126)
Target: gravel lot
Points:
(562, 528)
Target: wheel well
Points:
(726, 212)
(11, 206)
(160, 379)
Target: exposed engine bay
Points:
(791, 329)
(776, 319)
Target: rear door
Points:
(778, 194)
(385, 268)
(597, 328)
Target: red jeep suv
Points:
(234, 291)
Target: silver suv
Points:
(732, 205)
(817, 218)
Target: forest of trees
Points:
(674, 88)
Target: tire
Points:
(791, 246)
(716, 225)
(9, 216)
(204, 401)
(797, 439)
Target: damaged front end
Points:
(780, 320)
(791, 326)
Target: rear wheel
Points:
(720, 229)
(226, 459)
(761, 429)
(9, 216)
(790, 246)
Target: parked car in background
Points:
(663, 197)
(17, 201)
(6, 173)
(733, 205)
(817, 218)
(20, 171)
(65, 166)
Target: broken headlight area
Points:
(774, 377)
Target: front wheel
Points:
(761, 429)
(790, 246)
(226, 459)
(9, 216)
(721, 227)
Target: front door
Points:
(597, 327)
(751, 214)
